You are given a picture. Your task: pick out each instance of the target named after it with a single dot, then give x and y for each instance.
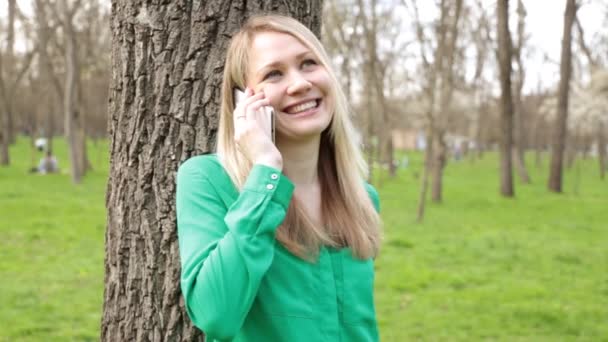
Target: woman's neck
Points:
(300, 160)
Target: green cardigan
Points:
(240, 284)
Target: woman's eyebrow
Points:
(278, 63)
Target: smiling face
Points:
(294, 80)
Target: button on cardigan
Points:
(240, 284)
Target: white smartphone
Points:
(239, 95)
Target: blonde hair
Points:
(348, 214)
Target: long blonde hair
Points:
(349, 216)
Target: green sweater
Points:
(240, 284)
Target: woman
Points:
(277, 240)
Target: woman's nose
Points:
(298, 84)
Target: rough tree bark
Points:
(504, 61)
(559, 133)
(167, 62)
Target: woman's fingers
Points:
(249, 101)
(254, 107)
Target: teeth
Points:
(302, 107)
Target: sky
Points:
(544, 24)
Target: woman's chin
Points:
(300, 129)
(300, 133)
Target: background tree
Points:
(480, 35)
(437, 88)
(376, 23)
(167, 62)
(52, 92)
(595, 103)
(13, 68)
(506, 102)
(74, 115)
(559, 133)
(520, 117)
(451, 14)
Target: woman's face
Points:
(294, 81)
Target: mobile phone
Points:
(268, 111)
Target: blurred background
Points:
(485, 127)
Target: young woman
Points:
(277, 240)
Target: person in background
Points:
(48, 164)
(277, 240)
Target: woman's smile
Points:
(304, 108)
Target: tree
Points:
(74, 121)
(481, 38)
(445, 65)
(167, 62)
(520, 113)
(5, 113)
(559, 133)
(9, 83)
(599, 88)
(375, 71)
(46, 72)
(438, 87)
(506, 102)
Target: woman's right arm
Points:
(226, 252)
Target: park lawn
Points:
(51, 249)
(480, 267)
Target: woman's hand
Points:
(249, 135)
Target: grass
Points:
(479, 268)
(51, 249)
(482, 267)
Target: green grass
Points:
(479, 268)
(482, 267)
(51, 249)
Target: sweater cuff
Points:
(266, 179)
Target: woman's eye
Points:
(272, 74)
(309, 62)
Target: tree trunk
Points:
(559, 134)
(519, 151)
(5, 159)
(519, 154)
(601, 149)
(426, 171)
(453, 12)
(506, 139)
(439, 161)
(72, 112)
(167, 62)
(10, 62)
(571, 151)
(6, 115)
(390, 150)
(538, 143)
(46, 73)
(481, 113)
